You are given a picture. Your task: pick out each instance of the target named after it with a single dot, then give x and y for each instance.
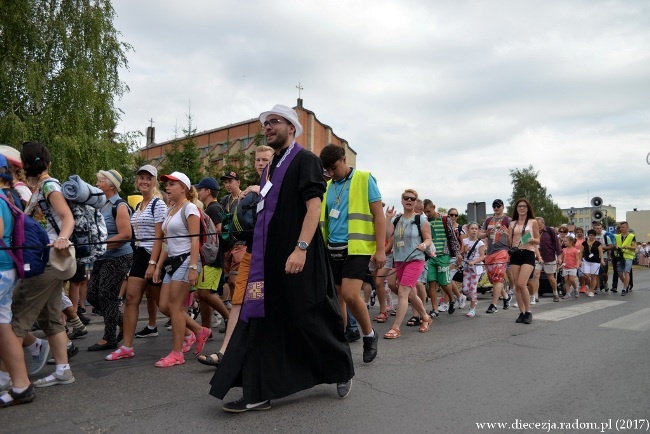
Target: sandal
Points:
(210, 360)
(414, 321)
(382, 317)
(425, 326)
(393, 333)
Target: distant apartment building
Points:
(220, 146)
(582, 217)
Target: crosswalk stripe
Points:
(637, 321)
(571, 311)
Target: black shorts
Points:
(140, 264)
(523, 257)
(80, 275)
(352, 267)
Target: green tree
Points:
(184, 156)
(59, 70)
(526, 185)
(243, 163)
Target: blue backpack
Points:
(30, 239)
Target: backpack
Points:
(14, 198)
(416, 220)
(30, 261)
(243, 218)
(114, 212)
(208, 239)
(89, 234)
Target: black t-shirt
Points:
(215, 211)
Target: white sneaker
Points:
(461, 301)
(443, 307)
(532, 300)
(470, 314)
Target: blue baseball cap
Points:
(209, 183)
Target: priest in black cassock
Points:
(290, 332)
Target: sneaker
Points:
(520, 318)
(352, 335)
(623, 292)
(168, 324)
(606, 289)
(391, 312)
(54, 379)
(39, 360)
(24, 397)
(532, 299)
(343, 389)
(120, 301)
(240, 406)
(528, 318)
(471, 313)
(201, 339)
(172, 359)
(461, 301)
(216, 320)
(567, 296)
(373, 297)
(77, 333)
(228, 304)
(434, 313)
(583, 289)
(146, 332)
(442, 307)
(506, 303)
(451, 308)
(370, 347)
(72, 350)
(614, 290)
(188, 341)
(492, 309)
(556, 297)
(121, 353)
(81, 310)
(5, 386)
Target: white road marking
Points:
(571, 311)
(637, 321)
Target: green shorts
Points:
(209, 278)
(439, 270)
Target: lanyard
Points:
(337, 201)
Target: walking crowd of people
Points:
(301, 255)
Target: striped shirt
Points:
(144, 222)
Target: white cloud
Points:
(444, 97)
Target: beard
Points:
(279, 141)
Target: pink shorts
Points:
(409, 272)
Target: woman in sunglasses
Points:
(411, 239)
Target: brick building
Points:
(219, 145)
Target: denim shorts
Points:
(8, 281)
(624, 265)
(182, 273)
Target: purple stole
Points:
(253, 306)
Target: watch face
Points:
(302, 245)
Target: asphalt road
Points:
(581, 362)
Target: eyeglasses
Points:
(409, 198)
(453, 215)
(272, 122)
(563, 232)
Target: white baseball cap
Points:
(178, 176)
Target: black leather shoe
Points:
(103, 347)
(352, 336)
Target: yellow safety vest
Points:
(361, 226)
(627, 253)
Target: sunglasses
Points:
(563, 232)
(409, 198)
(453, 215)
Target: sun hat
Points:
(177, 176)
(63, 262)
(286, 112)
(113, 176)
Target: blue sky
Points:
(443, 97)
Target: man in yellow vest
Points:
(354, 227)
(626, 247)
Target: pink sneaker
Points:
(188, 341)
(174, 358)
(121, 353)
(201, 339)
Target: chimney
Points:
(300, 103)
(151, 136)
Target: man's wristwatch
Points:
(302, 245)
(152, 262)
(194, 267)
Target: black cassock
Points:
(300, 341)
